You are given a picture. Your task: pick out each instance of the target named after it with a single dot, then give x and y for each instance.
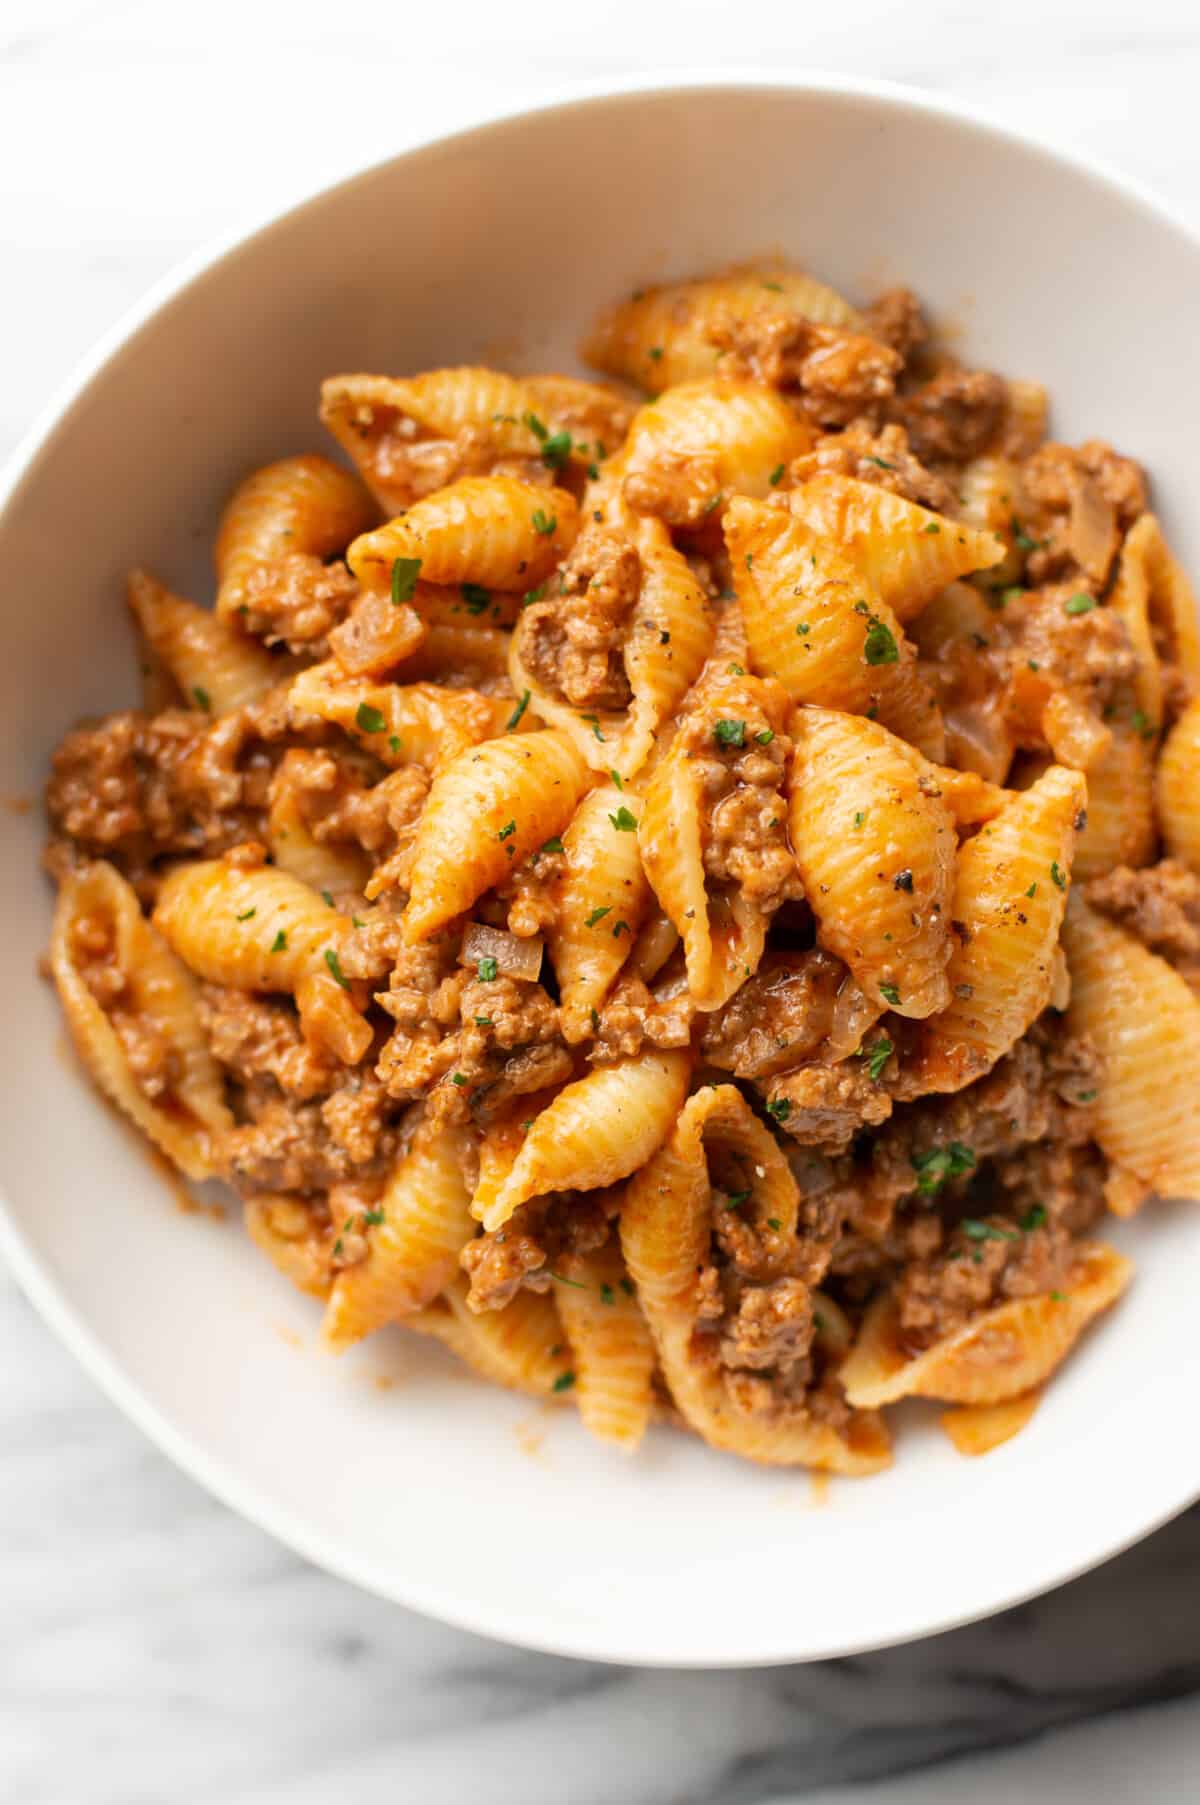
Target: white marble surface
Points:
(155, 1650)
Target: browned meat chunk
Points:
(883, 458)
(1160, 904)
(1075, 504)
(573, 643)
(296, 600)
(826, 1105)
(953, 416)
(527, 1251)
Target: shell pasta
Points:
(681, 885)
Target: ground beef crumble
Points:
(1076, 502)
(1160, 905)
(572, 643)
(296, 601)
(883, 458)
(526, 1253)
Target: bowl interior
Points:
(390, 1466)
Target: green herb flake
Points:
(730, 733)
(933, 527)
(1021, 537)
(975, 1230)
(860, 815)
(246, 914)
(1080, 604)
(486, 971)
(876, 1056)
(780, 1108)
(484, 1021)
(882, 462)
(553, 845)
(775, 1223)
(563, 1382)
(475, 596)
(373, 1218)
(879, 646)
(736, 670)
(735, 1199)
(457, 1078)
(1143, 725)
(617, 779)
(279, 944)
(776, 475)
(597, 915)
(1087, 1096)
(1032, 890)
(544, 523)
(369, 719)
(765, 737)
(624, 821)
(203, 699)
(533, 595)
(889, 993)
(1034, 1218)
(803, 629)
(394, 743)
(627, 1287)
(1058, 1297)
(335, 966)
(656, 352)
(327, 899)
(507, 831)
(939, 1164)
(1058, 875)
(607, 1294)
(514, 719)
(405, 572)
(556, 450)
(593, 721)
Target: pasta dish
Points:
(683, 887)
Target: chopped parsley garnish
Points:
(1080, 604)
(475, 596)
(774, 1222)
(730, 733)
(876, 1056)
(780, 1108)
(624, 821)
(617, 779)
(656, 352)
(765, 737)
(882, 462)
(486, 971)
(713, 502)
(1142, 724)
(279, 944)
(556, 450)
(327, 899)
(246, 914)
(736, 1199)
(507, 831)
(933, 527)
(1058, 875)
(562, 1277)
(627, 1287)
(736, 670)
(597, 915)
(975, 1230)
(1034, 1218)
(889, 993)
(405, 572)
(1087, 1096)
(552, 845)
(533, 595)
(1032, 890)
(1058, 1297)
(607, 1294)
(373, 1218)
(514, 719)
(939, 1164)
(203, 699)
(903, 880)
(484, 1021)
(457, 1078)
(544, 523)
(860, 815)
(593, 721)
(369, 719)
(803, 629)
(563, 1382)
(622, 927)
(1021, 537)
(335, 966)
(536, 427)
(776, 475)
(879, 647)
(394, 743)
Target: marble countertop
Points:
(156, 1650)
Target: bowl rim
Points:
(35, 1278)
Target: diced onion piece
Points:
(515, 958)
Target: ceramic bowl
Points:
(390, 1467)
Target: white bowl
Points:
(443, 1494)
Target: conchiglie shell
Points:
(301, 504)
(723, 936)
(1158, 606)
(282, 1227)
(1004, 1352)
(488, 809)
(978, 1428)
(904, 553)
(454, 651)
(722, 437)
(597, 1130)
(521, 1347)
(224, 920)
(1177, 788)
(213, 665)
(189, 1122)
(670, 633)
(595, 415)
(612, 1353)
(490, 530)
(660, 336)
(1144, 1022)
(666, 1230)
(859, 820)
(413, 1253)
(810, 621)
(987, 490)
(1002, 968)
(603, 878)
(1121, 828)
(422, 723)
